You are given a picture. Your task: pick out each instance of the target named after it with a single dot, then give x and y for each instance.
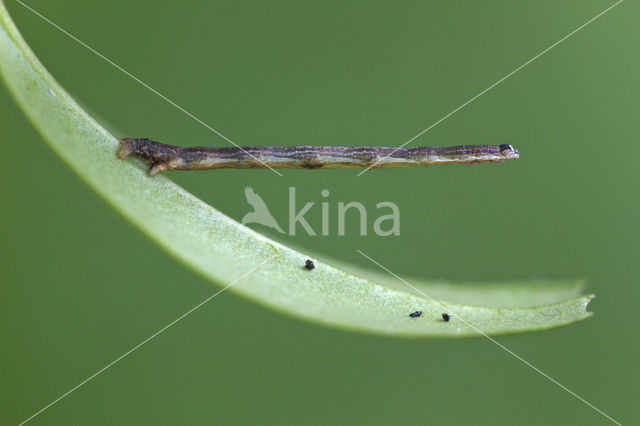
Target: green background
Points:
(80, 286)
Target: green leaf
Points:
(222, 250)
(500, 294)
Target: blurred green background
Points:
(80, 286)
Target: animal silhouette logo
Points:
(260, 213)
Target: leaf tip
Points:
(587, 299)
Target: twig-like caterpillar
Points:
(169, 157)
